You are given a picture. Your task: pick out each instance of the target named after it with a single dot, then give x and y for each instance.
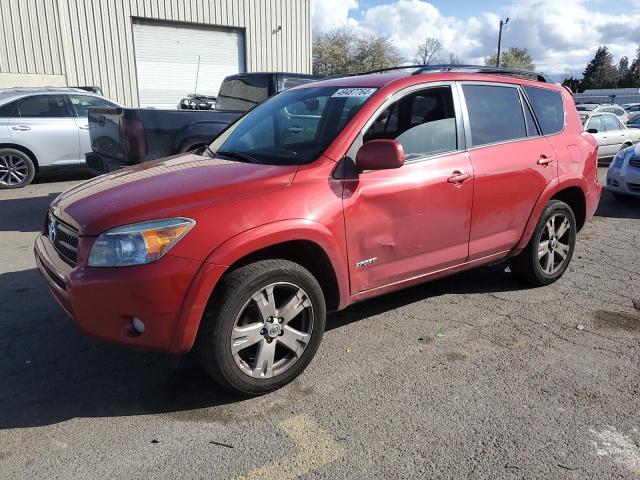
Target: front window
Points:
(292, 128)
(82, 103)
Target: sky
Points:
(561, 35)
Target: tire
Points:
(16, 169)
(544, 270)
(240, 303)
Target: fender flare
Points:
(241, 245)
(547, 194)
(282, 231)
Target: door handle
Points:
(84, 127)
(21, 128)
(458, 177)
(294, 129)
(544, 160)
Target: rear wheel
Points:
(549, 251)
(263, 328)
(16, 169)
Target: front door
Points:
(414, 220)
(512, 163)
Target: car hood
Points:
(166, 188)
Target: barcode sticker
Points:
(354, 92)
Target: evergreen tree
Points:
(634, 71)
(600, 72)
(512, 58)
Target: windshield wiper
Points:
(208, 151)
(238, 156)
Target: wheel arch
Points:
(305, 242)
(24, 150)
(575, 197)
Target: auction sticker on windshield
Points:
(354, 92)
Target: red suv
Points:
(324, 195)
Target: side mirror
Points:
(380, 155)
(592, 130)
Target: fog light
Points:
(137, 324)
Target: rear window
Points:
(43, 106)
(242, 93)
(495, 114)
(548, 108)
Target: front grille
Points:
(64, 238)
(635, 162)
(634, 187)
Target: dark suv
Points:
(324, 195)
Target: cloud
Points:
(561, 36)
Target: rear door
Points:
(512, 165)
(45, 125)
(414, 220)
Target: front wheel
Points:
(549, 251)
(263, 328)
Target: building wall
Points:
(90, 42)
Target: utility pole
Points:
(503, 23)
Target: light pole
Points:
(503, 23)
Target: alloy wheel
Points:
(272, 330)
(554, 245)
(13, 170)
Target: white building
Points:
(150, 52)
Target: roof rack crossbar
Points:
(540, 77)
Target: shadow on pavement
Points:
(618, 207)
(62, 174)
(50, 372)
(24, 214)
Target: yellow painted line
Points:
(315, 447)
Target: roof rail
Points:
(540, 77)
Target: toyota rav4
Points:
(325, 195)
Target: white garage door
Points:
(167, 57)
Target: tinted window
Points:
(495, 114)
(289, 82)
(596, 123)
(548, 107)
(423, 122)
(82, 103)
(612, 123)
(243, 93)
(635, 121)
(7, 111)
(43, 106)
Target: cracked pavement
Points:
(474, 376)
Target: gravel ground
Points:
(474, 376)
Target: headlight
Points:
(139, 243)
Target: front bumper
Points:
(624, 179)
(169, 296)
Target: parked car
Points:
(610, 133)
(623, 176)
(324, 195)
(43, 127)
(128, 136)
(617, 110)
(631, 107)
(634, 121)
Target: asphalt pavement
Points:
(474, 376)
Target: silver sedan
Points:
(623, 176)
(43, 127)
(611, 134)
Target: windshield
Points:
(292, 128)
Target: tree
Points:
(573, 83)
(455, 59)
(624, 73)
(428, 51)
(600, 72)
(634, 71)
(513, 57)
(341, 51)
